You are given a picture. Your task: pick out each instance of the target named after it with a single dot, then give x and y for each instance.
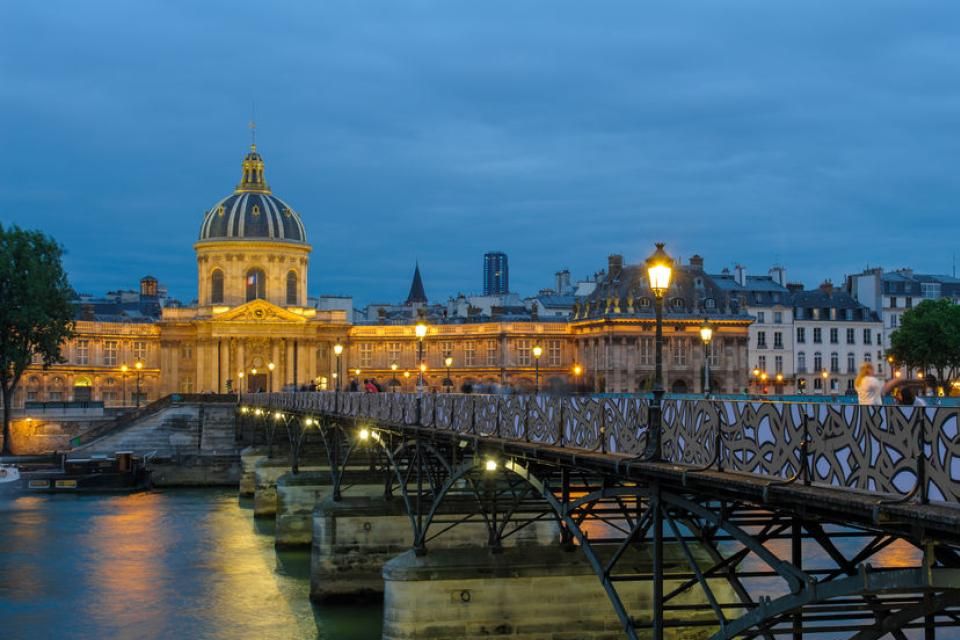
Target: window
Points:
(256, 284)
(761, 340)
(523, 352)
(817, 335)
(834, 336)
(893, 321)
(817, 383)
(867, 338)
(893, 302)
(492, 353)
(679, 351)
(762, 363)
(760, 317)
(851, 363)
(139, 350)
(835, 362)
(56, 389)
(83, 351)
(801, 335)
(817, 361)
(778, 340)
(713, 352)
(553, 353)
(678, 304)
(777, 317)
(186, 352)
(778, 364)
(186, 385)
(216, 287)
(111, 351)
(366, 354)
(930, 289)
(851, 336)
(292, 297)
(866, 357)
(909, 303)
(646, 350)
(393, 352)
(801, 362)
(469, 353)
(879, 339)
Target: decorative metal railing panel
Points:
(875, 449)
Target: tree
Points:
(36, 314)
(929, 339)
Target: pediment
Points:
(259, 311)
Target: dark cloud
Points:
(815, 134)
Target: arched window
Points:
(292, 288)
(256, 284)
(216, 287)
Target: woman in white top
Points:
(869, 388)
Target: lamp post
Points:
(763, 381)
(393, 367)
(706, 334)
(449, 382)
(659, 270)
(139, 367)
(756, 378)
(577, 372)
(779, 383)
(123, 370)
(239, 384)
(421, 332)
(357, 373)
(338, 351)
(406, 377)
(537, 352)
(270, 368)
(824, 375)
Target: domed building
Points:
(252, 314)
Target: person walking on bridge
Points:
(869, 388)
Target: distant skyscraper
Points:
(496, 274)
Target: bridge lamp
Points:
(659, 271)
(308, 422)
(490, 465)
(577, 372)
(258, 412)
(270, 368)
(537, 352)
(421, 332)
(139, 367)
(706, 334)
(448, 361)
(123, 370)
(277, 416)
(364, 434)
(337, 351)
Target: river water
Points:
(164, 564)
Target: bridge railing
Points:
(890, 449)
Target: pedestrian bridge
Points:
(797, 519)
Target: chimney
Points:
(563, 281)
(778, 274)
(827, 287)
(615, 266)
(696, 262)
(741, 275)
(794, 287)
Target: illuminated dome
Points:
(252, 212)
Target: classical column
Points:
(240, 365)
(289, 374)
(224, 365)
(274, 381)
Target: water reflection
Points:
(185, 564)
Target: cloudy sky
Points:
(821, 135)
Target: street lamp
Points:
(338, 351)
(421, 332)
(537, 352)
(448, 382)
(824, 375)
(577, 372)
(659, 270)
(706, 334)
(393, 367)
(239, 384)
(406, 377)
(270, 368)
(123, 370)
(139, 366)
(357, 373)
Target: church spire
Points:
(417, 294)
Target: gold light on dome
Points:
(420, 330)
(659, 271)
(337, 349)
(490, 464)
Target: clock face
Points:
(258, 314)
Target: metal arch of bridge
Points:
(875, 600)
